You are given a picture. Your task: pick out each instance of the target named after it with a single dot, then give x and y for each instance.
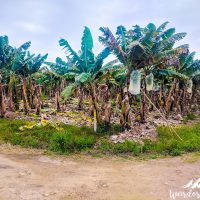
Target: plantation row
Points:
(150, 73)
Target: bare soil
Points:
(27, 174)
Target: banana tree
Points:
(191, 68)
(118, 46)
(156, 50)
(63, 70)
(24, 66)
(48, 79)
(7, 56)
(178, 75)
(196, 93)
(86, 68)
(114, 76)
(140, 48)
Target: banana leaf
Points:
(83, 77)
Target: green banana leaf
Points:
(83, 77)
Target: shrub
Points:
(127, 147)
(66, 142)
(105, 145)
(108, 129)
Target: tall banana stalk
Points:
(169, 98)
(26, 106)
(2, 101)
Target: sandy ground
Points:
(31, 175)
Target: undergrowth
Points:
(69, 139)
(167, 143)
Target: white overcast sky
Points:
(44, 22)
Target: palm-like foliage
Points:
(140, 47)
(109, 40)
(60, 67)
(188, 65)
(26, 63)
(86, 65)
(7, 53)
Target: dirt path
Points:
(29, 175)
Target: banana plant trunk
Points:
(39, 100)
(2, 102)
(125, 110)
(10, 94)
(178, 101)
(183, 103)
(161, 95)
(143, 103)
(106, 106)
(24, 96)
(169, 98)
(57, 101)
(95, 106)
(32, 89)
(80, 98)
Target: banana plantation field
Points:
(142, 104)
(135, 103)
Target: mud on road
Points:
(31, 175)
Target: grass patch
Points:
(66, 142)
(169, 144)
(127, 147)
(69, 139)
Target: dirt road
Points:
(30, 175)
